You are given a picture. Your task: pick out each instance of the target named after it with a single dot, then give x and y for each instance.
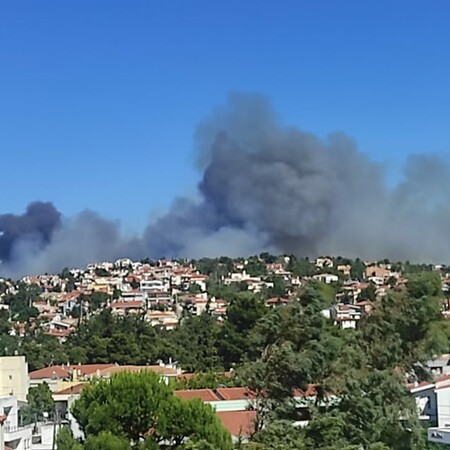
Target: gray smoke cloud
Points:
(268, 187)
(264, 187)
(34, 226)
(73, 242)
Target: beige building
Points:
(14, 377)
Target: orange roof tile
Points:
(238, 423)
(63, 370)
(442, 378)
(58, 333)
(160, 370)
(236, 393)
(310, 391)
(206, 395)
(275, 300)
(130, 304)
(75, 389)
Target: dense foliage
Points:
(39, 406)
(358, 376)
(139, 411)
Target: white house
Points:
(346, 316)
(326, 277)
(433, 401)
(17, 437)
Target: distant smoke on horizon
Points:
(264, 187)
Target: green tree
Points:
(194, 288)
(374, 409)
(292, 350)
(66, 441)
(244, 311)
(194, 342)
(40, 405)
(106, 338)
(369, 293)
(139, 407)
(41, 350)
(106, 441)
(255, 267)
(207, 380)
(21, 303)
(96, 300)
(301, 267)
(40, 400)
(278, 435)
(268, 258)
(5, 324)
(279, 288)
(357, 270)
(406, 327)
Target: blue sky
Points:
(99, 100)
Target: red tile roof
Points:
(63, 370)
(206, 395)
(275, 300)
(237, 393)
(130, 304)
(442, 378)
(238, 423)
(58, 333)
(160, 370)
(75, 389)
(310, 391)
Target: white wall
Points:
(443, 407)
(14, 377)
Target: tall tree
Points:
(195, 343)
(40, 403)
(244, 311)
(140, 408)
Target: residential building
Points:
(14, 377)
(13, 436)
(440, 365)
(326, 278)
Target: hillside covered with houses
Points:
(164, 292)
(278, 347)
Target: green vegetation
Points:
(362, 401)
(358, 376)
(207, 380)
(138, 411)
(21, 303)
(40, 404)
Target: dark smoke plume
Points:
(38, 241)
(263, 187)
(35, 226)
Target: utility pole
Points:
(54, 428)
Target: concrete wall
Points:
(20, 437)
(443, 407)
(14, 377)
